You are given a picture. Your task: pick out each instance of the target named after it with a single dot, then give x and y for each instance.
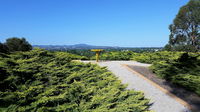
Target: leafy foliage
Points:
(116, 55)
(185, 28)
(82, 52)
(180, 68)
(17, 44)
(183, 71)
(42, 81)
(108, 54)
(151, 57)
(69, 55)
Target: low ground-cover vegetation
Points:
(40, 80)
(183, 71)
(70, 55)
(180, 68)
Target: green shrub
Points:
(116, 55)
(183, 71)
(188, 81)
(39, 80)
(151, 57)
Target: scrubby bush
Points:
(151, 57)
(191, 82)
(183, 71)
(116, 55)
(40, 81)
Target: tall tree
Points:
(185, 30)
(18, 44)
(3, 48)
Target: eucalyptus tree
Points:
(185, 29)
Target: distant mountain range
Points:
(76, 46)
(86, 46)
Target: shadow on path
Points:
(189, 97)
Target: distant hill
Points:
(86, 46)
(76, 46)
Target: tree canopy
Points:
(3, 48)
(15, 44)
(185, 30)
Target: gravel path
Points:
(161, 101)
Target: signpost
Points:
(97, 53)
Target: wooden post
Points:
(97, 56)
(97, 53)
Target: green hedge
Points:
(43, 81)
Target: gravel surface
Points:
(189, 97)
(161, 101)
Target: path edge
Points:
(181, 101)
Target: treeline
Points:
(115, 55)
(112, 54)
(39, 81)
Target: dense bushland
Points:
(183, 71)
(180, 68)
(151, 57)
(70, 55)
(144, 57)
(41, 81)
(116, 55)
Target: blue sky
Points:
(127, 23)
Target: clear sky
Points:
(126, 23)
